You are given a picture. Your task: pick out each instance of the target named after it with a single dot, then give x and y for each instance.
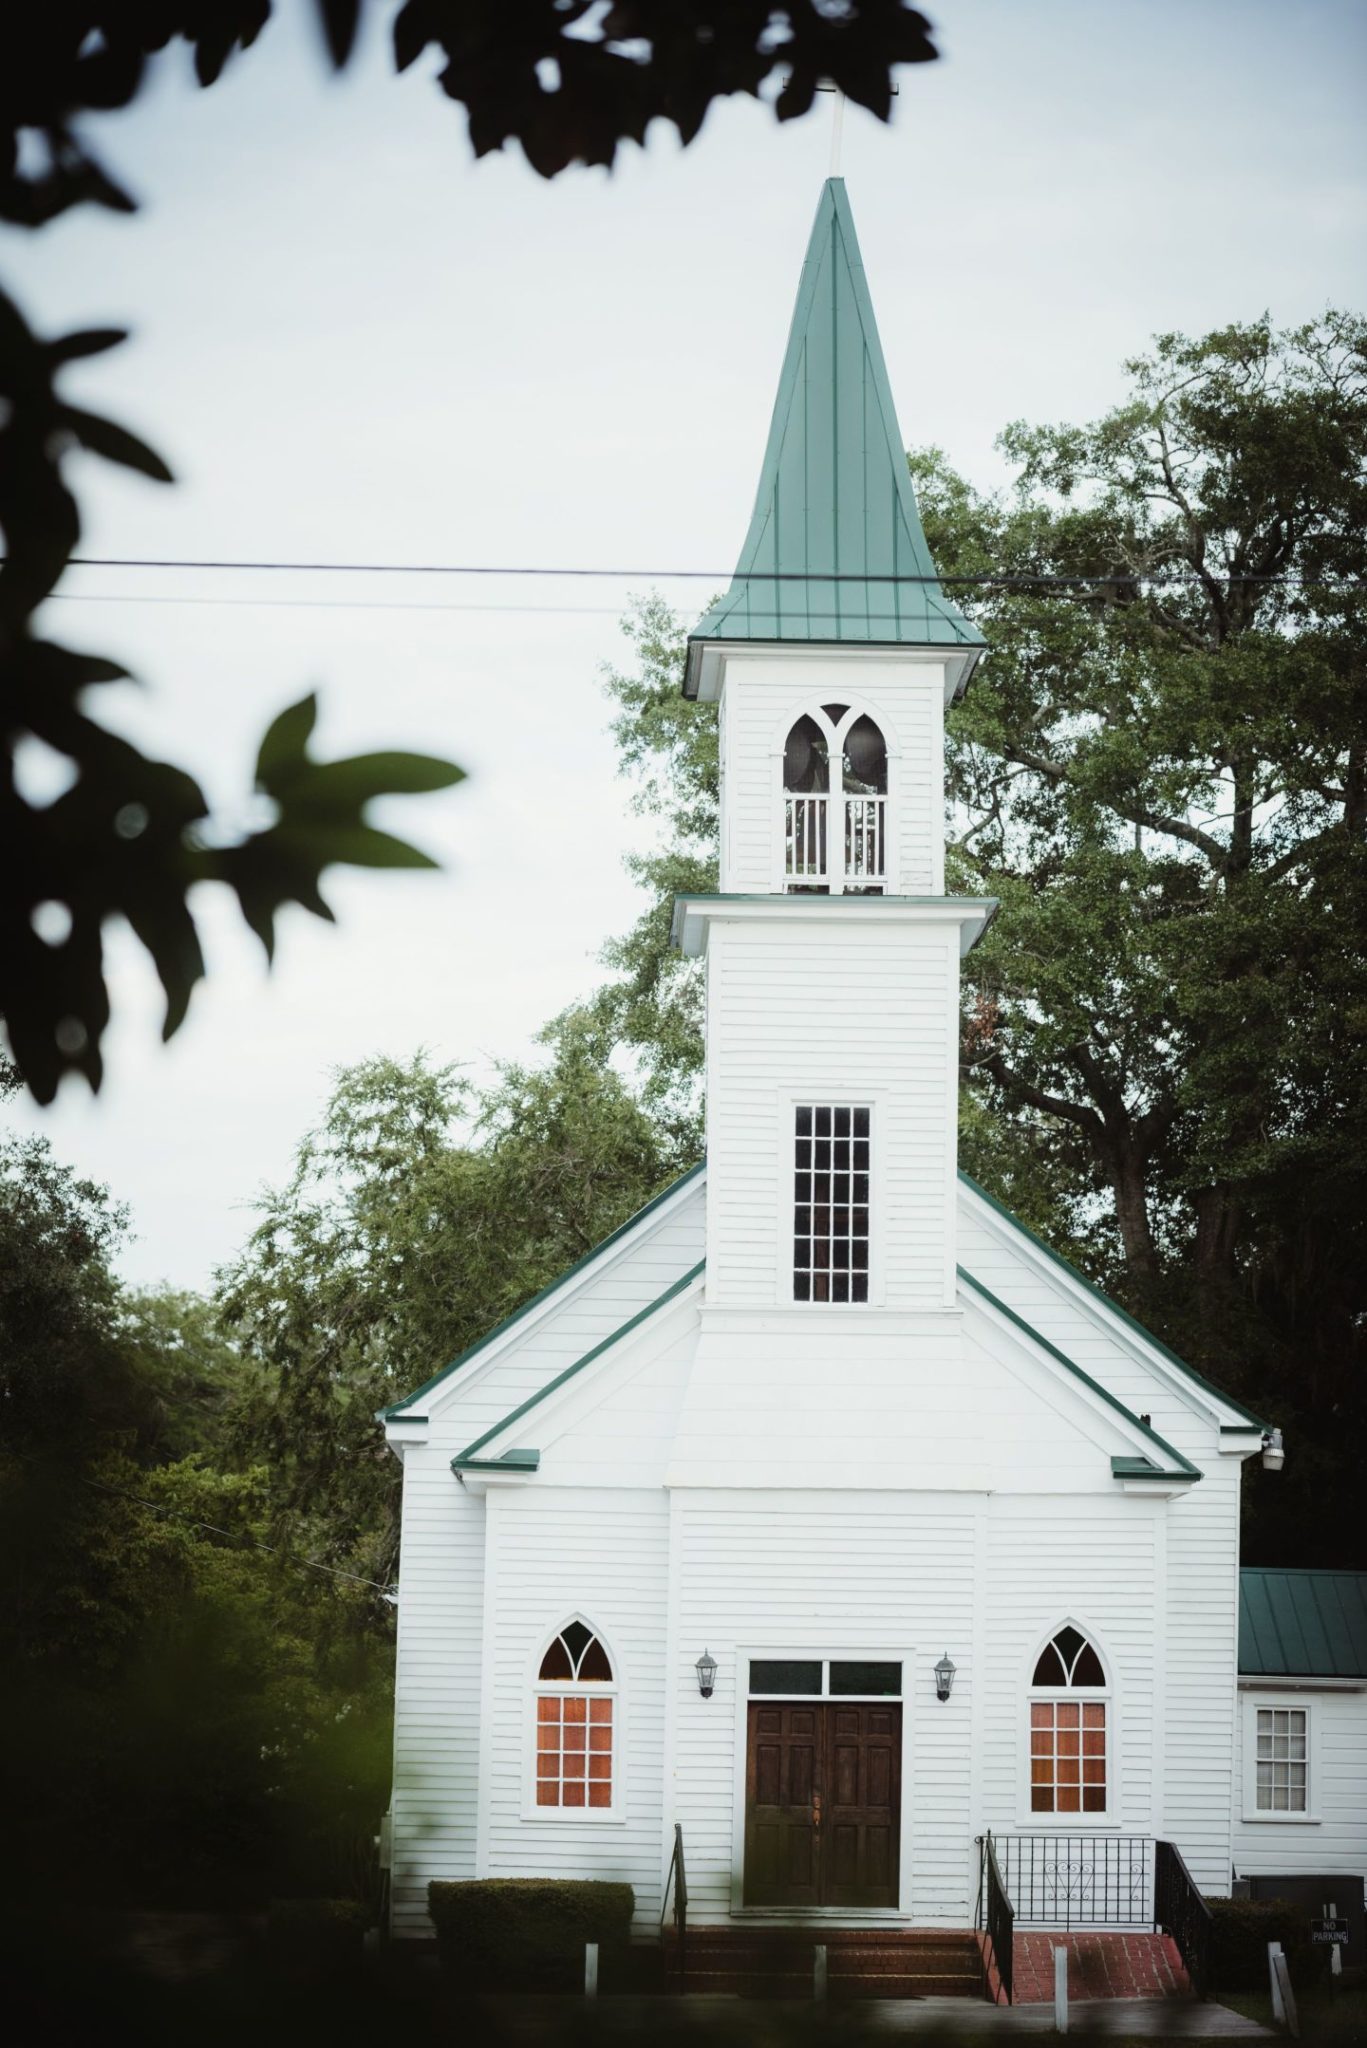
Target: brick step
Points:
(833, 1937)
(861, 1962)
(798, 1985)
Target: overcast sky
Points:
(353, 342)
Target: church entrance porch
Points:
(823, 1790)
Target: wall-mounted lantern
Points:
(944, 1677)
(1274, 1451)
(707, 1674)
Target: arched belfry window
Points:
(1069, 1702)
(576, 1715)
(835, 796)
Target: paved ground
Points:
(965, 2019)
(1104, 1965)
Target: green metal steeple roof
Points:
(835, 500)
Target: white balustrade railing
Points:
(806, 841)
(865, 841)
(804, 838)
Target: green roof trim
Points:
(835, 499)
(395, 1411)
(1302, 1624)
(463, 1459)
(1188, 1371)
(511, 1461)
(1145, 1468)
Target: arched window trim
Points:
(857, 706)
(1073, 1821)
(538, 1688)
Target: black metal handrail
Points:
(1179, 1910)
(996, 1918)
(677, 1881)
(1066, 1880)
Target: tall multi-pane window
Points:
(1282, 1759)
(831, 1203)
(1068, 1728)
(575, 1704)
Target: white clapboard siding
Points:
(1201, 1647)
(835, 1012)
(1092, 1563)
(1333, 1838)
(1001, 1258)
(557, 1553)
(766, 692)
(631, 1275)
(436, 1685)
(824, 1573)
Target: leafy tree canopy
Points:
(418, 1215)
(1159, 770)
(131, 836)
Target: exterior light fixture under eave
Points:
(944, 1677)
(1274, 1451)
(706, 1668)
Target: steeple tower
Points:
(832, 951)
(835, 512)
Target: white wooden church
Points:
(822, 1519)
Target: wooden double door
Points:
(823, 1803)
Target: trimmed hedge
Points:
(526, 1933)
(316, 1936)
(1239, 1938)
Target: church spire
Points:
(835, 500)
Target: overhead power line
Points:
(243, 1542)
(1033, 580)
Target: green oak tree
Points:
(1161, 771)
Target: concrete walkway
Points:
(961, 2019)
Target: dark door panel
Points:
(823, 1804)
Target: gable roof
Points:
(1122, 1315)
(470, 1459)
(1302, 1624)
(1174, 1468)
(404, 1408)
(835, 506)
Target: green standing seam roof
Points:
(1132, 1322)
(1302, 1624)
(1121, 1467)
(835, 499)
(470, 1460)
(395, 1411)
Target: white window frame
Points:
(1280, 1702)
(857, 708)
(824, 1096)
(539, 1688)
(1030, 1821)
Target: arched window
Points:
(576, 1702)
(835, 788)
(1068, 1703)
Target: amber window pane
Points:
(576, 1740)
(1093, 1715)
(575, 1710)
(548, 1710)
(1041, 1799)
(600, 1795)
(572, 1793)
(1094, 1798)
(1068, 1800)
(1041, 1715)
(548, 1795)
(600, 1710)
(600, 1766)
